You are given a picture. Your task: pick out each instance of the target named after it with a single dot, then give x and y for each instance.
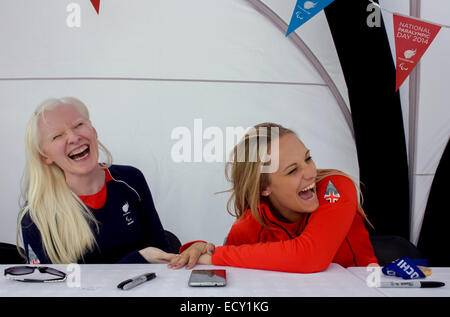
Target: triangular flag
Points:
(305, 10)
(96, 4)
(412, 39)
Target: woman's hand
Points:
(155, 255)
(205, 259)
(199, 252)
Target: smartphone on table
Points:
(208, 278)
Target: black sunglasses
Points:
(12, 272)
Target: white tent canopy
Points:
(145, 68)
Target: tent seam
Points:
(414, 83)
(168, 79)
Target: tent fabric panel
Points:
(434, 238)
(421, 191)
(317, 36)
(433, 152)
(166, 40)
(433, 115)
(431, 127)
(282, 25)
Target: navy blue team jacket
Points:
(128, 222)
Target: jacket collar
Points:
(292, 229)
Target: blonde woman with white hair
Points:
(75, 209)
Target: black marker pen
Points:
(412, 284)
(135, 281)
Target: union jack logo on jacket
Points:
(331, 193)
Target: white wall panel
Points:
(434, 109)
(317, 36)
(197, 39)
(422, 186)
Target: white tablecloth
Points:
(100, 280)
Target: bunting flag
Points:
(412, 39)
(305, 10)
(96, 4)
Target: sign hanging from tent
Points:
(305, 10)
(412, 39)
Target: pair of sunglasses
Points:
(12, 273)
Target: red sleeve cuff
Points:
(187, 245)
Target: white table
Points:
(101, 281)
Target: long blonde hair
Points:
(62, 219)
(244, 172)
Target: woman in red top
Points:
(295, 218)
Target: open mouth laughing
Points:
(79, 153)
(308, 192)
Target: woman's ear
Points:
(46, 160)
(265, 192)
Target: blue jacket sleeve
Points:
(133, 257)
(32, 242)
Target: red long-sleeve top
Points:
(334, 232)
